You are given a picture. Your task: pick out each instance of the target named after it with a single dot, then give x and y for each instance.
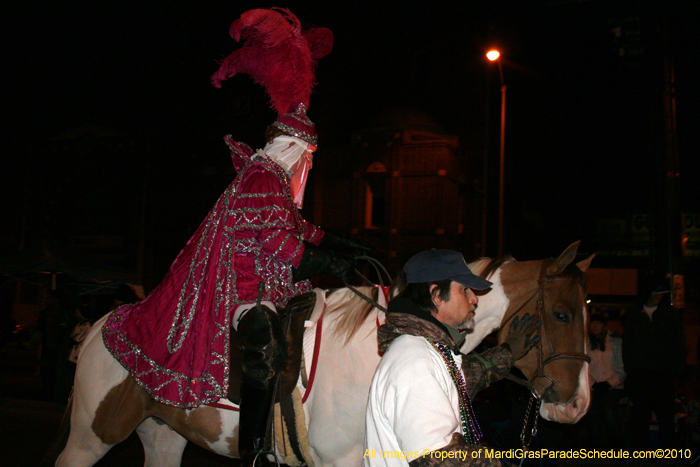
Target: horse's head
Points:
(557, 368)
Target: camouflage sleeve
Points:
(457, 453)
(482, 370)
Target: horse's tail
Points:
(49, 459)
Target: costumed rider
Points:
(420, 400)
(175, 343)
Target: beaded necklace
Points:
(470, 427)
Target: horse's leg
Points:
(82, 450)
(107, 406)
(213, 429)
(162, 445)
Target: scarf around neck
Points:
(405, 317)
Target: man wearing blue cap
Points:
(419, 411)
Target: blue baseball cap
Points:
(436, 265)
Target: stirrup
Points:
(260, 459)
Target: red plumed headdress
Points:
(281, 57)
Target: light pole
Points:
(494, 56)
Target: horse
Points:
(107, 405)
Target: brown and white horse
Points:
(108, 406)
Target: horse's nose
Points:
(574, 409)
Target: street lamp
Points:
(494, 56)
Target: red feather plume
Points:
(277, 54)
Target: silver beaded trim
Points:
(296, 133)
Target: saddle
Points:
(292, 317)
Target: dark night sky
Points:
(578, 115)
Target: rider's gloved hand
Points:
(520, 336)
(317, 261)
(331, 241)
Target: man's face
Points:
(459, 310)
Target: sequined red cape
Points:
(175, 343)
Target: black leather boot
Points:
(263, 353)
(253, 424)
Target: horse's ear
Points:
(564, 259)
(586, 263)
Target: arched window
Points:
(376, 196)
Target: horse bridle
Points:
(541, 361)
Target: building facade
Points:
(400, 184)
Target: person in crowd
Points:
(691, 331)
(654, 356)
(57, 321)
(76, 328)
(80, 331)
(606, 375)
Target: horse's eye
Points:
(562, 317)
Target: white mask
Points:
(286, 151)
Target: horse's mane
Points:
(492, 265)
(352, 310)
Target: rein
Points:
(542, 362)
(379, 268)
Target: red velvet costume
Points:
(176, 342)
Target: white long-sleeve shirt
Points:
(607, 366)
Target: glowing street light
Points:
(495, 55)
